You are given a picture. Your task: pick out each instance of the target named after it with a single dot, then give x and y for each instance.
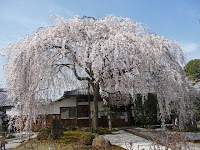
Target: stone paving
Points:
(157, 134)
(122, 139)
(19, 139)
(190, 135)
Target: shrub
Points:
(57, 129)
(71, 136)
(87, 138)
(146, 113)
(43, 134)
(0, 130)
(72, 128)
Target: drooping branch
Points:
(113, 54)
(63, 65)
(78, 77)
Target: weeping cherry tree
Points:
(112, 54)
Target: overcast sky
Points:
(175, 19)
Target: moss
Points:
(63, 142)
(106, 131)
(75, 136)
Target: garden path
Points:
(125, 140)
(158, 134)
(19, 139)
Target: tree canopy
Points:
(112, 54)
(192, 68)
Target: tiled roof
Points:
(77, 92)
(4, 101)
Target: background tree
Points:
(192, 68)
(112, 54)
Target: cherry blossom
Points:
(112, 54)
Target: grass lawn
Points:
(68, 141)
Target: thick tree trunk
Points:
(109, 119)
(109, 115)
(181, 122)
(95, 121)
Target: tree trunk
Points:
(181, 122)
(96, 94)
(109, 115)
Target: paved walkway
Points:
(128, 141)
(158, 134)
(19, 139)
(123, 139)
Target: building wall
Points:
(71, 102)
(54, 111)
(67, 102)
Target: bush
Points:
(43, 134)
(0, 130)
(57, 129)
(87, 138)
(72, 128)
(146, 113)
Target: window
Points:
(83, 111)
(66, 112)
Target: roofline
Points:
(3, 90)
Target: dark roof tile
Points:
(4, 101)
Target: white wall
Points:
(67, 102)
(70, 102)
